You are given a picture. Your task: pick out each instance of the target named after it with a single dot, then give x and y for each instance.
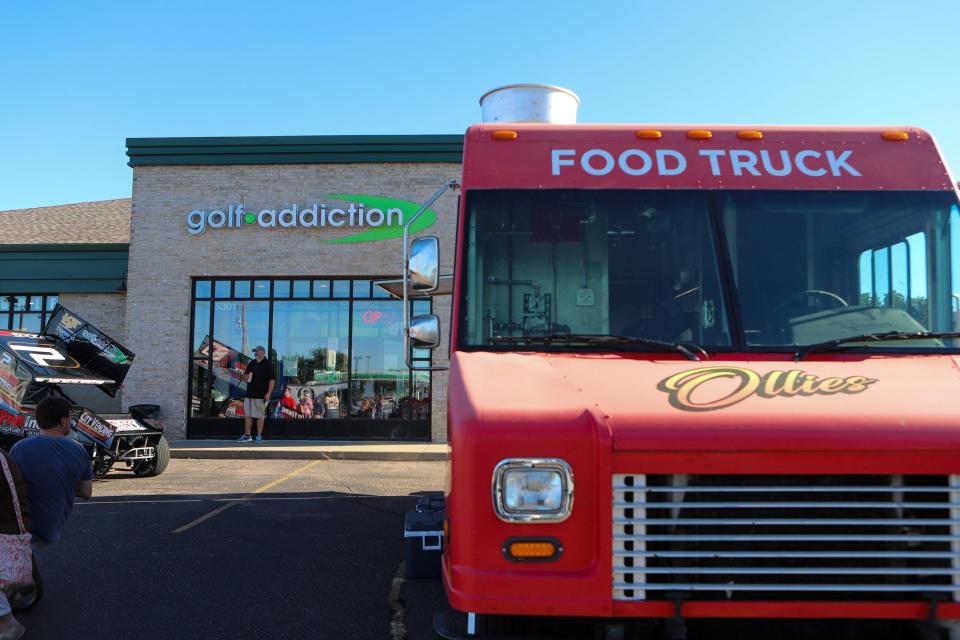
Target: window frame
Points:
(271, 300)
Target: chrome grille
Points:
(775, 537)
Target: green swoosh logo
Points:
(385, 232)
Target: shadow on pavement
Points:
(314, 564)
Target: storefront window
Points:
(238, 327)
(261, 289)
(201, 324)
(380, 380)
(361, 288)
(25, 312)
(337, 350)
(311, 339)
(301, 288)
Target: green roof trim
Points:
(294, 150)
(63, 268)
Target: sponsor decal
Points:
(722, 162)
(70, 322)
(21, 334)
(44, 356)
(106, 347)
(126, 424)
(11, 423)
(375, 217)
(93, 381)
(67, 330)
(95, 429)
(30, 426)
(680, 387)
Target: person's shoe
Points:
(244, 438)
(13, 633)
(259, 439)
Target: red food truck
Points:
(701, 372)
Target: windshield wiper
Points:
(840, 344)
(687, 350)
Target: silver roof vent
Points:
(530, 103)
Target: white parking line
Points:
(247, 498)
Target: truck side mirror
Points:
(423, 266)
(425, 331)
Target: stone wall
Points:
(164, 256)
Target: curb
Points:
(389, 453)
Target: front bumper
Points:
(587, 591)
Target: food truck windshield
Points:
(726, 270)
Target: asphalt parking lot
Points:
(275, 549)
(236, 549)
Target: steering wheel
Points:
(796, 304)
(834, 301)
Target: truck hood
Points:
(885, 402)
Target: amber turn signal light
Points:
(649, 134)
(532, 549)
(699, 134)
(504, 135)
(897, 136)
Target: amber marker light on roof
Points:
(897, 136)
(649, 134)
(699, 134)
(504, 135)
(750, 135)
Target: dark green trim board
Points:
(64, 248)
(294, 150)
(64, 268)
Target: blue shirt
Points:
(53, 468)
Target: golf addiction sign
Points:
(376, 217)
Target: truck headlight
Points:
(533, 490)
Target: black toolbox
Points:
(423, 538)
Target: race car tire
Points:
(27, 599)
(158, 465)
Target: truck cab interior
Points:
(758, 270)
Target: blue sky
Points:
(77, 78)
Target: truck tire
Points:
(155, 467)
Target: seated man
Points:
(56, 468)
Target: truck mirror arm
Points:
(449, 184)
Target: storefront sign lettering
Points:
(746, 382)
(376, 217)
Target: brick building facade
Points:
(192, 303)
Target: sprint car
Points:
(72, 353)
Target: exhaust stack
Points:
(530, 103)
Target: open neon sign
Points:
(372, 316)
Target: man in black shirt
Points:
(260, 380)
